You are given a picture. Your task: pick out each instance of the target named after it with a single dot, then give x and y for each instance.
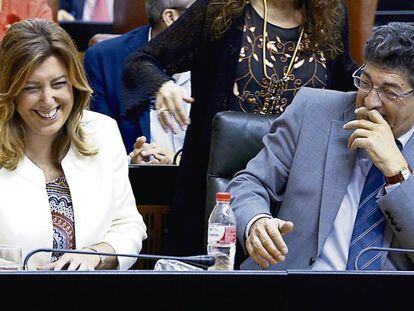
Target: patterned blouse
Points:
(309, 68)
(63, 219)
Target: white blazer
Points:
(103, 202)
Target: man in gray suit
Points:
(334, 161)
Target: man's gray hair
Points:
(392, 46)
(154, 8)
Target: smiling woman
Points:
(69, 163)
(44, 106)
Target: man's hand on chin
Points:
(373, 134)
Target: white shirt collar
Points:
(403, 139)
(149, 34)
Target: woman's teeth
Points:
(48, 114)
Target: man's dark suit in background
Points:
(74, 7)
(103, 64)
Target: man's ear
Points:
(169, 16)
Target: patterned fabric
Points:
(369, 225)
(63, 219)
(309, 69)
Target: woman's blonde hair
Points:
(25, 46)
(323, 22)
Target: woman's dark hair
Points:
(323, 22)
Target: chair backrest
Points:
(129, 14)
(236, 138)
(54, 5)
(361, 21)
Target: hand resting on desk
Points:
(265, 243)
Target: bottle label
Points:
(221, 234)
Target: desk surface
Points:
(293, 290)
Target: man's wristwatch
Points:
(403, 175)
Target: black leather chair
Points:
(236, 138)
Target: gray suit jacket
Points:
(305, 163)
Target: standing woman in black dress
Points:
(250, 56)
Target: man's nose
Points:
(372, 100)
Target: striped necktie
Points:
(369, 225)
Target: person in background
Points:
(142, 133)
(12, 11)
(233, 67)
(63, 170)
(86, 10)
(341, 165)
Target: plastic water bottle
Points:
(222, 233)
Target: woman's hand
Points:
(168, 102)
(73, 262)
(150, 153)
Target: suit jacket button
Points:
(311, 261)
(398, 229)
(387, 213)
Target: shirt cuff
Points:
(389, 188)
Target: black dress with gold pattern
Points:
(309, 68)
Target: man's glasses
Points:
(385, 94)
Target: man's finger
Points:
(358, 133)
(275, 255)
(188, 100)
(285, 226)
(356, 124)
(255, 255)
(279, 249)
(376, 117)
(139, 142)
(362, 113)
(359, 142)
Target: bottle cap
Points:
(223, 196)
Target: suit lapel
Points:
(408, 151)
(340, 162)
(139, 39)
